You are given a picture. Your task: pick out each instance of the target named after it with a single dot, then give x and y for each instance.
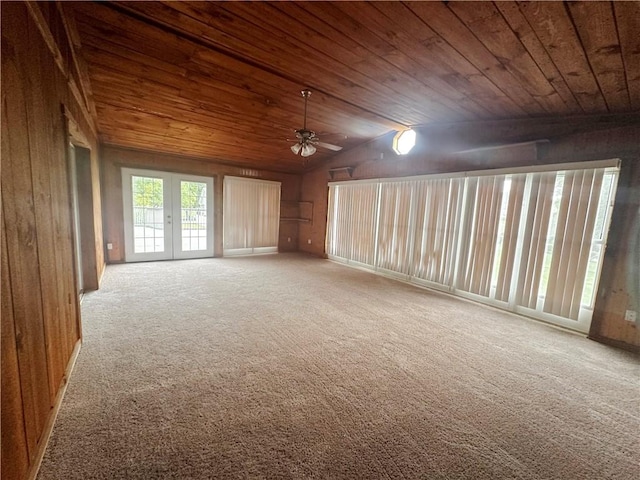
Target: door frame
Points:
(171, 215)
(178, 253)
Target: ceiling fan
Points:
(307, 139)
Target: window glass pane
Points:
(193, 215)
(502, 221)
(550, 234)
(148, 214)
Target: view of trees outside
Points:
(148, 204)
(191, 194)
(588, 291)
(193, 197)
(149, 211)
(596, 242)
(148, 192)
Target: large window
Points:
(528, 241)
(251, 216)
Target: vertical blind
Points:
(480, 230)
(530, 242)
(251, 216)
(352, 235)
(393, 226)
(434, 251)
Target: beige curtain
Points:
(394, 233)
(251, 215)
(480, 234)
(437, 222)
(351, 222)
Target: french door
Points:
(166, 215)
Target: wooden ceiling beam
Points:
(481, 134)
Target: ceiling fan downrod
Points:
(307, 139)
(306, 93)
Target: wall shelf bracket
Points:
(348, 170)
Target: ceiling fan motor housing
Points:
(305, 135)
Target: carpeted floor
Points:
(287, 366)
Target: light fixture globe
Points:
(404, 141)
(307, 150)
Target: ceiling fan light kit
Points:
(307, 139)
(305, 150)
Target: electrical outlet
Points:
(309, 241)
(630, 315)
(289, 239)
(109, 246)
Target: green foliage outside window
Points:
(148, 192)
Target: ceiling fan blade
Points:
(328, 146)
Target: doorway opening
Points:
(83, 218)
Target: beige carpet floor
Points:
(287, 366)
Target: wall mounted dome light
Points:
(404, 141)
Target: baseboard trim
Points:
(615, 343)
(48, 428)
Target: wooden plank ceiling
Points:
(222, 80)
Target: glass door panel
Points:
(193, 207)
(166, 215)
(148, 214)
(146, 197)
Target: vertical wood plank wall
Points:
(114, 158)
(40, 314)
(570, 140)
(614, 295)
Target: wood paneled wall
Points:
(618, 292)
(114, 158)
(40, 314)
(567, 140)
